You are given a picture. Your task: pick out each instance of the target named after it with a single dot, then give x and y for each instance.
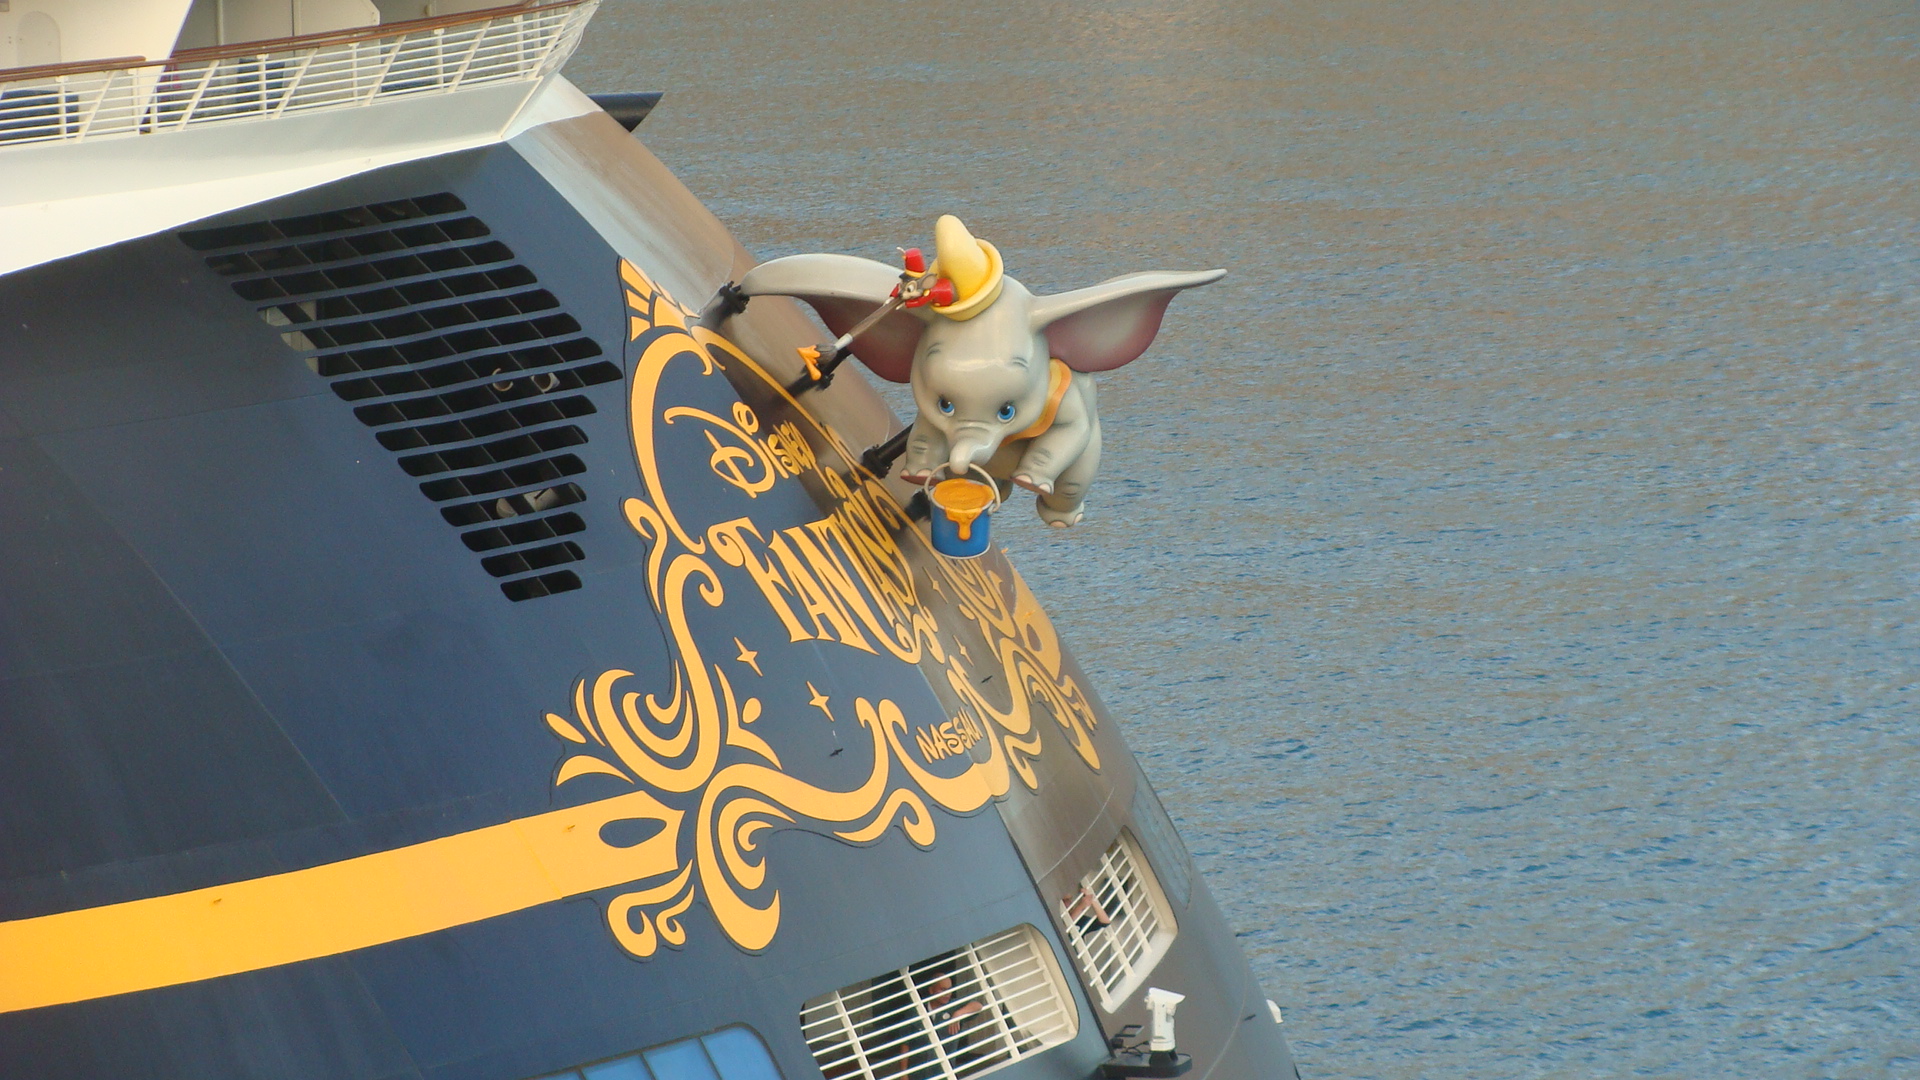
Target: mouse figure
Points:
(1001, 378)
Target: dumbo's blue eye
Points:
(946, 405)
(1006, 412)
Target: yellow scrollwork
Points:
(688, 739)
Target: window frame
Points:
(1155, 939)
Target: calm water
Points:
(1508, 573)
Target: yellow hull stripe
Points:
(327, 910)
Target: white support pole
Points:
(86, 122)
(466, 61)
(293, 84)
(198, 93)
(392, 55)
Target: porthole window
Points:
(960, 1014)
(1118, 923)
(733, 1053)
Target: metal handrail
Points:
(365, 33)
(78, 67)
(267, 79)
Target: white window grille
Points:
(1119, 924)
(960, 1014)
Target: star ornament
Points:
(750, 658)
(819, 701)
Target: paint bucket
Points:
(962, 513)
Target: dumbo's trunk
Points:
(970, 447)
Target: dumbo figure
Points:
(1000, 375)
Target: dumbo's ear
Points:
(1103, 326)
(845, 289)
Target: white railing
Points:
(292, 75)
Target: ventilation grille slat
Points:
(318, 305)
(512, 506)
(958, 1015)
(297, 271)
(471, 372)
(533, 474)
(500, 451)
(1118, 925)
(482, 425)
(347, 223)
(334, 327)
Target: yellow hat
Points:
(973, 265)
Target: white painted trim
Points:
(558, 99)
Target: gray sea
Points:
(1507, 573)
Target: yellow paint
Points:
(841, 570)
(810, 356)
(585, 765)
(963, 501)
(739, 457)
(749, 657)
(331, 909)
(563, 729)
(956, 736)
(810, 543)
(918, 824)
(831, 620)
(819, 700)
(739, 715)
(849, 575)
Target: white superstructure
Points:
(111, 147)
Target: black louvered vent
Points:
(467, 370)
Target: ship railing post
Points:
(479, 35)
(86, 122)
(566, 30)
(293, 84)
(146, 112)
(381, 76)
(541, 33)
(62, 107)
(122, 112)
(199, 92)
(226, 73)
(546, 50)
(348, 89)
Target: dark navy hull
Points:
(264, 611)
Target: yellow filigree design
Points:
(688, 739)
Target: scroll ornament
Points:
(692, 736)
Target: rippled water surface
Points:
(1507, 573)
